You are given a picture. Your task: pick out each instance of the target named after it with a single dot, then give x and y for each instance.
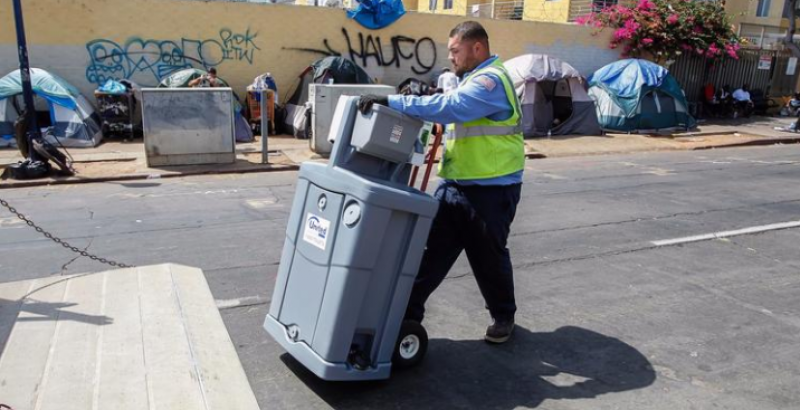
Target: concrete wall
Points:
(88, 41)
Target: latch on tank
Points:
(294, 332)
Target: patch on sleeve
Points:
(485, 81)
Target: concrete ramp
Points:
(139, 338)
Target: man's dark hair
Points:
(470, 30)
(212, 70)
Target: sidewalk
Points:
(146, 337)
(710, 135)
(116, 160)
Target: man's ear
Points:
(477, 47)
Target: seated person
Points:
(793, 106)
(742, 101)
(722, 101)
(209, 80)
(708, 98)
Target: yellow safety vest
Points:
(485, 148)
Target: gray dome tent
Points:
(554, 100)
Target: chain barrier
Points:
(60, 241)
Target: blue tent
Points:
(637, 95)
(73, 120)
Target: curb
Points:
(705, 134)
(137, 177)
(753, 143)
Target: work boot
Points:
(499, 331)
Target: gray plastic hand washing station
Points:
(353, 246)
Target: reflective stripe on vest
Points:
(484, 148)
(483, 130)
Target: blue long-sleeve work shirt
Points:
(480, 97)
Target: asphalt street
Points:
(607, 319)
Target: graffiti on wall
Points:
(156, 59)
(398, 50)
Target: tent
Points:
(181, 79)
(70, 120)
(553, 96)
(638, 96)
(329, 70)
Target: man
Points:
(447, 81)
(482, 176)
(209, 80)
(742, 101)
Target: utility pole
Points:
(25, 76)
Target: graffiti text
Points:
(159, 58)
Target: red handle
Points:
(429, 159)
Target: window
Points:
(431, 5)
(599, 5)
(762, 9)
(448, 4)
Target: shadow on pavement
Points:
(569, 363)
(41, 312)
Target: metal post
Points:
(25, 76)
(264, 127)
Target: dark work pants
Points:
(476, 219)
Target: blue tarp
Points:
(113, 87)
(377, 14)
(625, 78)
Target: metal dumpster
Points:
(354, 241)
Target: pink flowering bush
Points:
(665, 29)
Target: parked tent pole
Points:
(25, 77)
(264, 127)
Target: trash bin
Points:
(354, 242)
(116, 112)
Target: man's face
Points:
(463, 55)
(212, 76)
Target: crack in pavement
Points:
(64, 266)
(244, 305)
(260, 265)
